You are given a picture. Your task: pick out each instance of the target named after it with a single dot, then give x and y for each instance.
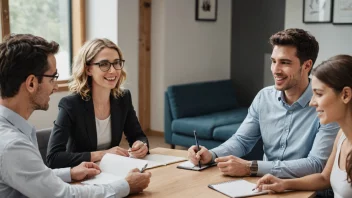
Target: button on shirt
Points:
(23, 173)
(295, 143)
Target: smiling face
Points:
(328, 103)
(41, 97)
(104, 80)
(286, 68)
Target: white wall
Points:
(128, 21)
(158, 52)
(333, 39)
(101, 19)
(185, 50)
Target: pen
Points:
(145, 166)
(195, 137)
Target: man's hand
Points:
(233, 166)
(118, 151)
(270, 182)
(139, 149)
(138, 181)
(84, 170)
(203, 155)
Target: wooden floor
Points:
(154, 142)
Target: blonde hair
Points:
(81, 82)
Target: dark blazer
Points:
(74, 134)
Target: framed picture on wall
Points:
(342, 12)
(206, 10)
(317, 11)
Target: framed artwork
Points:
(317, 11)
(342, 12)
(206, 10)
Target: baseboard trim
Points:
(155, 133)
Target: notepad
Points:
(237, 188)
(155, 160)
(114, 167)
(190, 166)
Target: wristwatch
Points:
(253, 167)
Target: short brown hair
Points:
(306, 44)
(20, 56)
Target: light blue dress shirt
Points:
(23, 173)
(295, 143)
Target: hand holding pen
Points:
(138, 150)
(197, 144)
(201, 154)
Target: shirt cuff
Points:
(63, 173)
(213, 157)
(121, 187)
(264, 167)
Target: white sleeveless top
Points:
(103, 133)
(338, 177)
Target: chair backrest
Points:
(43, 136)
(196, 99)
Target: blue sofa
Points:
(210, 108)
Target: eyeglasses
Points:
(106, 65)
(54, 77)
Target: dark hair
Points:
(305, 43)
(336, 72)
(20, 56)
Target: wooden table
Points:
(169, 181)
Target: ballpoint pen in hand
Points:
(197, 144)
(145, 166)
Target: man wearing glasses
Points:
(28, 77)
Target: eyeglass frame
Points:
(122, 64)
(54, 77)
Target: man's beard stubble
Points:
(37, 100)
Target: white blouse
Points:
(338, 177)
(103, 133)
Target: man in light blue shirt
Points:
(28, 77)
(295, 143)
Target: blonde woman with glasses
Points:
(92, 119)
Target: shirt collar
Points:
(304, 99)
(16, 120)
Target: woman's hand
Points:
(98, 155)
(139, 149)
(270, 182)
(118, 151)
